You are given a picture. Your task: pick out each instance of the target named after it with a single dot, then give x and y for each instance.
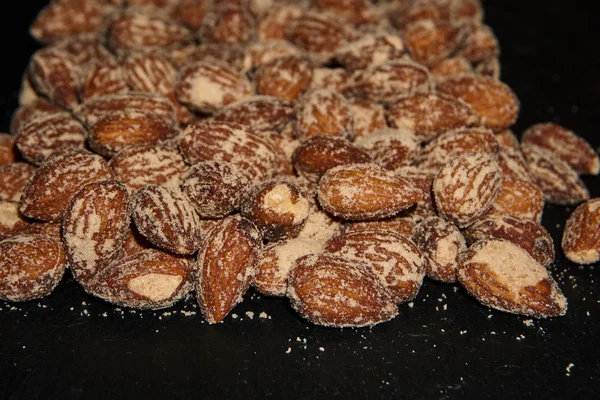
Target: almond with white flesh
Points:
(31, 266)
(393, 258)
(364, 192)
(167, 219)
(94, 228)
(581, 236)
(331, 290)
(226, 262)
(148, 280)
(504, 276)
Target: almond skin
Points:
(94, 228)
(519, 198)
(504, 276)
(263, 113)
(286, 78)
(391, 149)
(227, 260)
(365, 191)
(13, 179)
(11, 221)
(324, 112)
(31, 266)
(430, 42)
(330, 290)
(581, 236)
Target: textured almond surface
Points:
(519, 198)
(390, 148)
(581, 236)
(429, 42)
(264, 113)
(370, 50)
(324, 112)
(11, 220)
(13, 178)
(55, 74)
(285, 78)
(503, 276)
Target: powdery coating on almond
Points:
(393, 258)
(503, 276)
(334, 79)
(332, 291)
(103, 79)
(428, 115)
(207, 87)
(52, 230)
(480, 45)
(31, 266)
(370, 50)
(8, 149)
(286, 78)
(368, 116)
(149, 279)
(423, 181)
(226, 23)
(264, 51)
(442, 243)
(115, 131)
(399, 225)
(451, 67)
(556, 179)
(167, 219)
(94, 228)
(233, 55)
(581, 236)
(324, 112)
(13, 179)
(566, 145)
(512, 163)
(84, 50)
(519, 198)
(429, 42)
(134, 242)
(263, 113)
(507, 138)
(276, 19)
(529, 235)
(55, 75)
(247, 149)
(467, 187)
(495, 102)
(150, 73)
(390, 148)
(279, 209)
(388, 82)
(365, 191)
(11, 221)
(315, 156)
(137, 167)
(40, 136)
(49, 191)
(30, 110)
(226, 262)
(93, 109)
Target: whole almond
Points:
(451, 67)
(276, 19)
(264, 51)
(226, 23)
(34, 109)
(519, 198)
(512, 163)
(430, 42)
(286, 77)
(480, 44)
(103, 79)
(368, 116)
(389, 148)
(233, 55)
(55, 75)
(581, 236)
(150, 73)
(8, 150)
(370, 50)
(263, 113)
(31, 266)
(13, 178)
(227, 260)
(11, 220)
(504, 276)
(324, 112)
(331, 290)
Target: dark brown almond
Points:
(332, 291)
(226, 262)
(167, 219)
(581, 236)
(263, 113)
(286, 77)
(31, 266)
(13, 178)
(94, 228)
(55, 75)
(324, 112)
(519, 198)
(51, 188)
(504, 276)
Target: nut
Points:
(324, 112)
(264, 51)
(512, 163)
(389, 148)
(263, 113)
(368, 116)
(519, 198)
(13, 178)
(450, 68)
(34, 109)
(55, 75)
(398, 225)
(287, 77)
(429, 42)
(480, 44)
(334, 79)
(370, 50)
(276, 19)
(11, 221)
(226, 23)
(103, 79)
(8, 150)
(581, 236)
(153, 73)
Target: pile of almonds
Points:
(332, 151)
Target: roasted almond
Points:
(451, 67)
(480, 44)
(287, 77)
(276, 19)
(103, 79)
(226, 23)
(512, 163)
(8, 149)
(429, 42)
(519, 198)
(504, 276)
(11, 220)
(30, 110)
(390, 148)
(13, 178)
(324, 112)
(368, 116)
(397, 224)
(55, 75)
(191, 12)
(153, 73)
(354, 12)
(370, 50)
(334, 79)
(264, 51)
(263, 113)
(581, 236)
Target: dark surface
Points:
(71, 345)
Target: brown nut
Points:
(13, 178)
(389, 148)
(102, 79)
(370, 50)
(8, 149)
(11, 221)
(287, 77)
(368, 116)
(226, 23)
(429, 42)
(324, 112)
(581, 236)
(55, 75)
(263, 113)
(519, 198)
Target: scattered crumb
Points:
(490, 316)
(250, 314)
(321, 349)
(463, 332)
(528, 322)
(411, 304)
(188, 313)
(288, 351)
(263, 315)
(234, 316)
(568, 369)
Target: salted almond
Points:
(519, 198)
(324, 112)
(442, 243)
(330, 290)
(389, 148)
(365, 191)
(429, 42)
(368, 116)
(85, 50)
(226, 23)
(264, 51)
(55, 75)
(504, 276)
(480, 44)
(557, 180)
(263, 113)
(276, 19)
(334, 79)
(227, 260)
(102, 79)
(286, 78)
(355, 12)
(566, 145)
(11, 221)
(512, 163)
(13, 178)
(495, 102)
(397, 224)
(528, 234)
(428, 115)
(451, 67)
(370, 50)
(31, 266)
(191, 12)
(8, 150)
(422, 180)
(507, 138)
(30, 110)
(154, 73)
(581, 236)
(467, 187)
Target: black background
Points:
(71, 345)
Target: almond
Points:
(103, 79)
(423, 181)
(370, 50)
(368, 116)
(467, 187)
(226, 23)
(566, 145)
(265, 51)
(495, 102)
(55, 75)
(519, 198)
(332, 291)
(396, 224)
(153, 73)
(354, 12)
(8, 150)
(31, 266)
(227, 260)
(263, 113)
(507, 138)
(276, 19)
(233, 55)
(581, 236)
(393, 258)
(429, 42)
(504, 276)
(34, 109)
(94, 228)
(334, 79)
(63, 174)
(512, 163)
(525, 233)
(11, 221)
(428, 115)
(365, 191)
(13, 178)
(85, 50)
(287, 77)
(52, 230)
(489, 68)
(442, 243)
(557, 180)
(149, 279)
(480, 44)
(390, 148)
(324, 112)
(451, 67)
(191, 12)
(113, 132)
